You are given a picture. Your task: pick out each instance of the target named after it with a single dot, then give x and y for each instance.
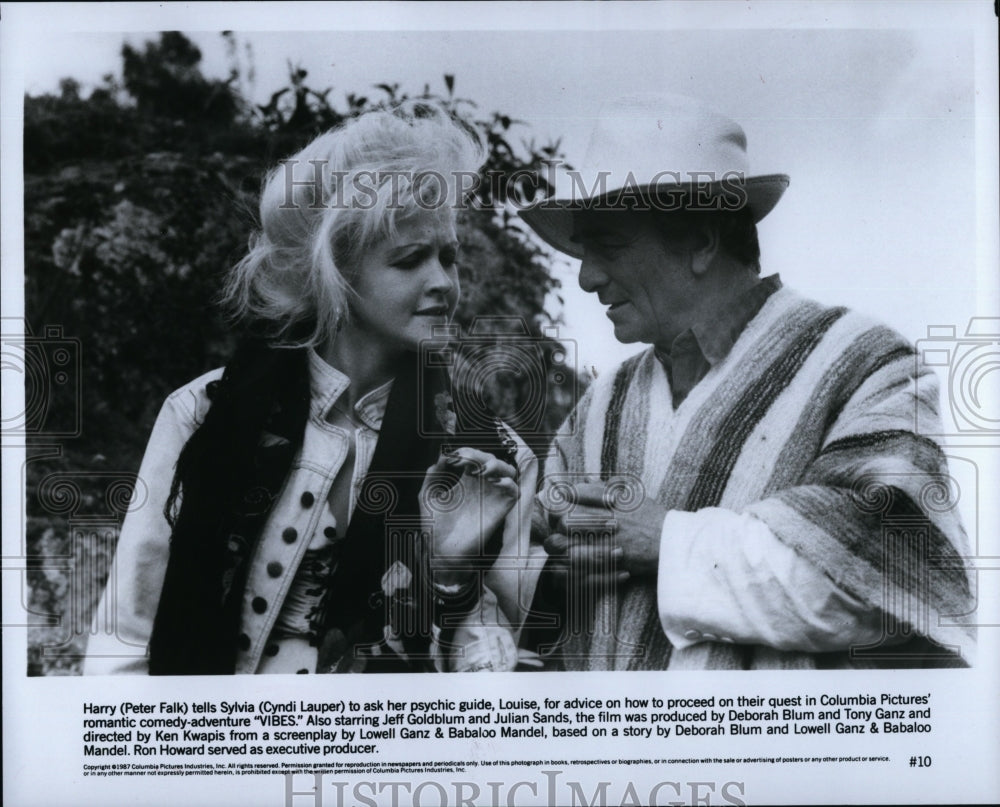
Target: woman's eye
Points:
(409, 262)
(448, 258)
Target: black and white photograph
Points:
(613, 387)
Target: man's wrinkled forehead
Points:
(614, 222)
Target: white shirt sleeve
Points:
(724, 576)
(128, 606)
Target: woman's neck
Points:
(364, 359)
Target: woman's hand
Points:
(465, 497)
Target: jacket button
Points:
(307, 499)
(289, 535)
(330, 532)
(243, 642)
(259, 604)
(271, 649)
(274, 569)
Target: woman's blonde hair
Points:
(323, 207)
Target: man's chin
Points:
(627, 335)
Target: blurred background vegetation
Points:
(137, 199)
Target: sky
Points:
(873, 117)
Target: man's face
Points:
(649, 290)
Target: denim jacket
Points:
(486, 638)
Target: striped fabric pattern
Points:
(808, 424)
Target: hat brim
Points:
(552, 219)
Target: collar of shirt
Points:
(698, 349)
(327, 384)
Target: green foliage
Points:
(139, 197)
(166, 83)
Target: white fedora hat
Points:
(671, 149)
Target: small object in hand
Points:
(508, 442)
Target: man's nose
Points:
(591, 276)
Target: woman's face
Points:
(407, 285)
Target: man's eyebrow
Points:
(581, 229)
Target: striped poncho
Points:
(808, 425)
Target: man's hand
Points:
(634, 548)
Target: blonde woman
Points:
(317, 505)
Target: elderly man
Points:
(749, 491)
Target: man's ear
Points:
(704, 249)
